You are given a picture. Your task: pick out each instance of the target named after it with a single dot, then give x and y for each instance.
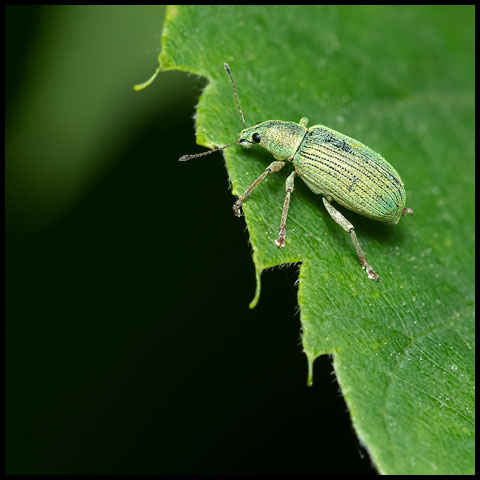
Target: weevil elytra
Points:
(333, 165)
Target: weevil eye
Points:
(256, 138)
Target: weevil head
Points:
(281, 139)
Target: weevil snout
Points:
(249, 137)
(244, 142)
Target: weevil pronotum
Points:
(333, 165)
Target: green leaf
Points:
(401, 80)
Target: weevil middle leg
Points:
(303, 121)
(283, 224)
(348, 227)
(272, 168)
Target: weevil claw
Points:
(372, 275)
(280, 242)
(237, 208)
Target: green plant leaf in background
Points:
(401, 80)
(71, 115)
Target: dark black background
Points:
(130, 347)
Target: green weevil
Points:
(333, 165)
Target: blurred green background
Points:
(130, 347)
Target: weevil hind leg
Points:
(406, 211)
(272, 168)
(280, 242)
(348, 227)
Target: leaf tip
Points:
(254, 302)
(310, 372)
(141, 86)
(310, 360)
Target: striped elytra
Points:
(350, 173)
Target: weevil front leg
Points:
(272, 168)
(280, 242)
(348, 227)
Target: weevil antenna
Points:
(227, 69)
(213, 150)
